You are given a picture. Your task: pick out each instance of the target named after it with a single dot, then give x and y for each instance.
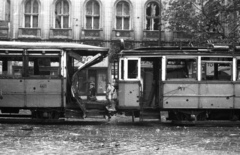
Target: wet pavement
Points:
(118, 136)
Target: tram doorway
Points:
(151, 81)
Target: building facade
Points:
(97, 22)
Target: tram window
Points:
(216, 69)
(44, 66)
(132, 69)
(11, 67)
(181, 69)
(238, 70)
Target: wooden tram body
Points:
(189, 83)
(37, 76)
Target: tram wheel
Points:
(43, 114)
(55, 115)
(37, 114)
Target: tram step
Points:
(95, 105)
(149, 115)
(95, 112)
(150, 109)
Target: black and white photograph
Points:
(119, 77)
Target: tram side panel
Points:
(236, 95)
(199, 96)
(31, 93)
(216, 95)
(180, 95)
(128, 95)
(43, 93)
(12, 93)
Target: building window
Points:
(31, 13)
(152, 16)
(62, 14)
(92, 15)
(122, 16)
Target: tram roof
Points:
(76, 47)
(177, 50)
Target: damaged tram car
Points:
(184, 83)
(37, 77)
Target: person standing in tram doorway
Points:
(92, 92)
(110, 97)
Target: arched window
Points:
(122, 16)
(31, 13)
(62, 14)
(152, 16)
(92, 15)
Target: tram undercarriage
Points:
(203, 115)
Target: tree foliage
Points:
(204, 19)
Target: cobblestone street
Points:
(119, 136)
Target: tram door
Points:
(151, 79)
(129, 83)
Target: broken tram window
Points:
(181, 69)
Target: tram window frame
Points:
(7, 72)
(125, 72)
(189, 72)
(121, 69)
(47, 71)
(238, 69)
(209, 74)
